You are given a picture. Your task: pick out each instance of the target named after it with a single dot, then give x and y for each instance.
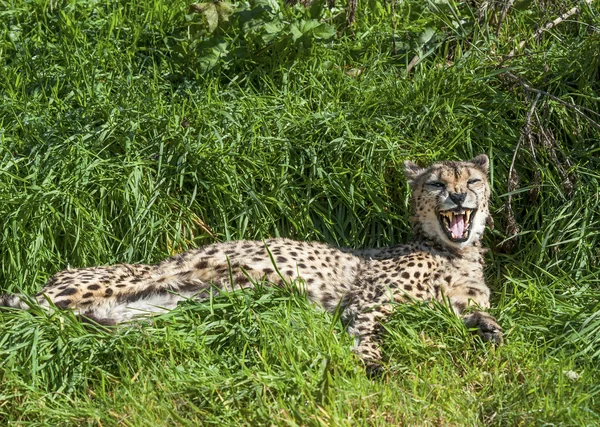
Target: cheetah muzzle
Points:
(444, 261)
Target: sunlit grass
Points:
(114, 148)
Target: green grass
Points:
(116, 146)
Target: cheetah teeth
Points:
(457, 223)
(450, 214)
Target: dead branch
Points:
(548, 26)
(394, 27)
(574, 107)
(505, 8)
(351, 14)
(548, 141)
(412, 63)
(512, 227)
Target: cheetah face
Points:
(450, 200)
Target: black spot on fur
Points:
(93, 287)
(328, 300)
(142, 294)
(67, 292)
(87, 295)
(202, 264)
(417, 274)
(301, 265)
(212, 251)
(281, 259)
(63, 303)
(189, 287)
(240, 279)
(405, 275)
(108, 292)
(89, 317)
(408, 288)
(460, 306)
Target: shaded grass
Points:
(114, 149)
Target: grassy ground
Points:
(121, 140)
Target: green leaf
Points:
(215, 12)
(312, 29)
(323, 31)
(426, 36)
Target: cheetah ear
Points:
(481, 162)
(412, 171)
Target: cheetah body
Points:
(364, 285)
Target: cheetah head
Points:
(450, 200)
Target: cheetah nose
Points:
(458, 198)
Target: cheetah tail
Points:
(13, 301)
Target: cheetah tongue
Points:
(457, 226)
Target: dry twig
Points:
(505, 8)
(512, 227)
(576, 108)
(546, 27)
(351, 14)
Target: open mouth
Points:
(456, 223)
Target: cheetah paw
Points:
(487, 327)
(373, 369)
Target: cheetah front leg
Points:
(469, 294)
(364, 324)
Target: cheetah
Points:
(444, 261)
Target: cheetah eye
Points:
(473, 181)
(437, 184)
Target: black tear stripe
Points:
(476, 195)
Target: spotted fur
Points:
(363, 284)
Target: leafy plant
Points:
(225, 35)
